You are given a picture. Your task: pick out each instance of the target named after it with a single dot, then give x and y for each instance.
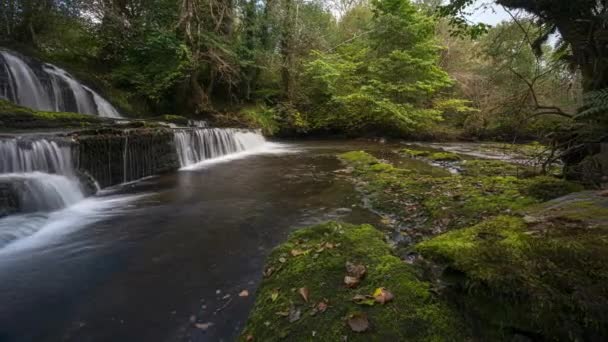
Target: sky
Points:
(492, 15)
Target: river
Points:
(142, 261)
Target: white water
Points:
(35, 155)
(49, 88)
(26, 231)
(199, 145)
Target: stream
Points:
(143, 261)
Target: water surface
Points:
(140, 262)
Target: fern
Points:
(595, 105)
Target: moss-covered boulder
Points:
(312, 263)
(14, 117)
(544, 275)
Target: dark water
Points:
(146, 267)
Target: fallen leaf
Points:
(268, 272)
(351, 282)
(249, 338)
(282, 313)
(322, 307)
(304, 293)
(204, 326)
(282, 260)
(355, 270)
(358, 322)
(604, 193)
(297, 252)
(294, 314)
(274, 295)
(244, 293)
(382, 295)
(364, 300)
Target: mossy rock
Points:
(16, 117)
(431, 155)
(303, 262)
(415, 153)
(430, 205)
(547, 279)
(483, 167)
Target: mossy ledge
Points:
(426, 205)
(304, 262)
(14, 117)
(544, 275)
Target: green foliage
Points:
(382, 82)
(153, 67)
(413, 315)
(262, 117)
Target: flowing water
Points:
(48, 88)
(138, 262)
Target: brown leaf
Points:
(351, 282)
(382, 295)
(244, 293)
(604, 193)
(296, 252)
(355, 270)
(249, 338)
(358, 322)
(204, 326)
(304, 293)
(322, 307)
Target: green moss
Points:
(16, 117)
(430, 204)
(547, 188)
(482, 167)
(414, 314)
(415, 153)
(444, 156)
(547, 278)
(430, 154)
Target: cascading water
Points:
(18, 156)
(48, 88)
(197, 145)
(36, 176)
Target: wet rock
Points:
(343, 211)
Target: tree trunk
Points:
(287, 52)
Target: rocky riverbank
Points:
(497, 251)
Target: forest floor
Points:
(478, 248)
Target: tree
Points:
(383, 80)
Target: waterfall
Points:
(39, 191)
(198, 123)
(48, 88)
(197, 145)
(18, 156)
(39, 173)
